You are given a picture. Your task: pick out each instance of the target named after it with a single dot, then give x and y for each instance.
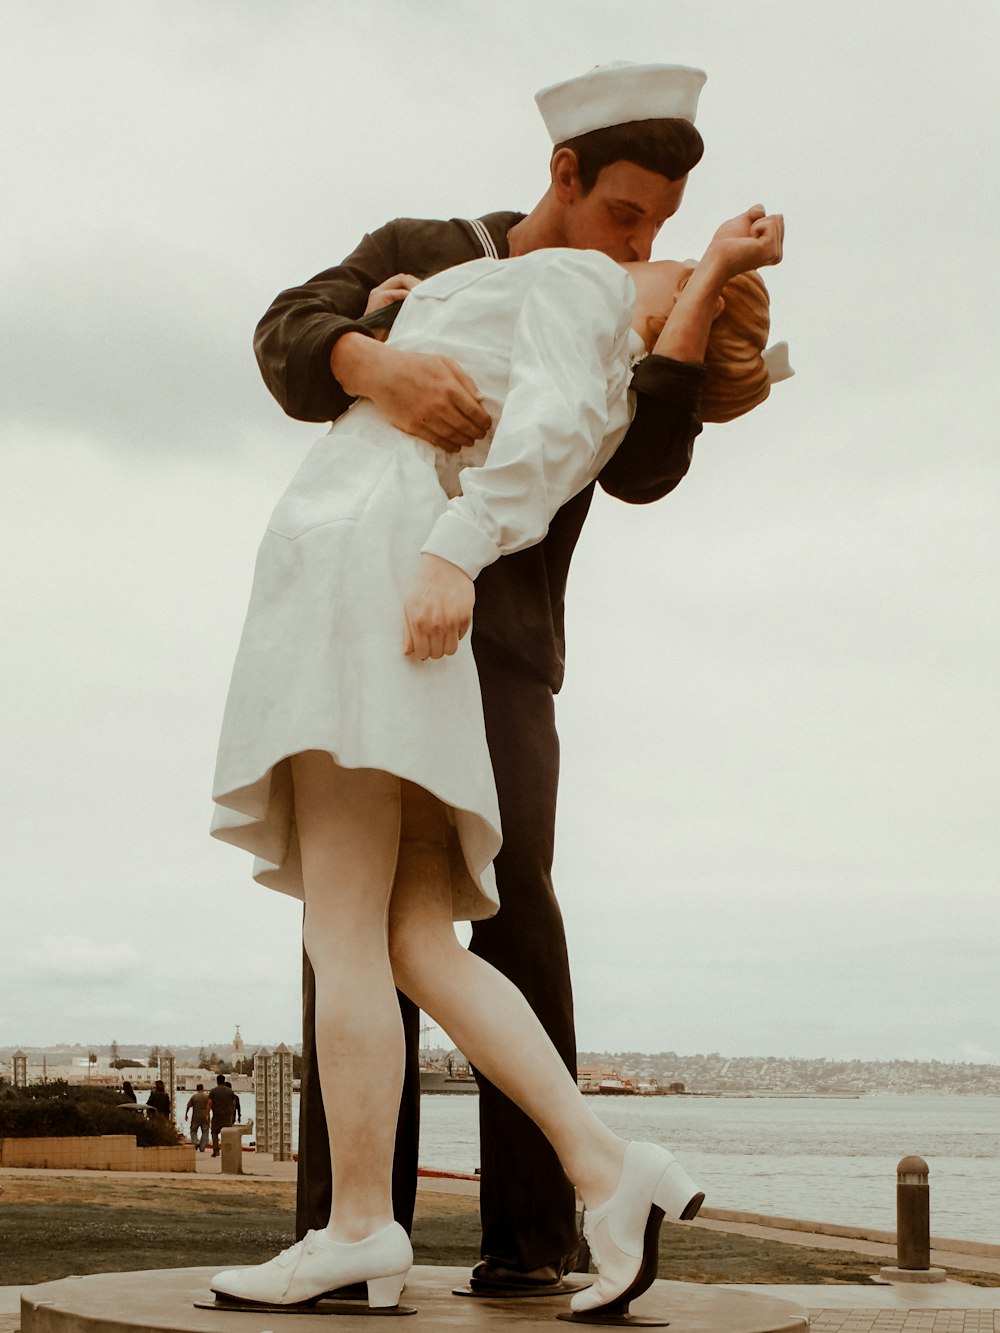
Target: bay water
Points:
(823, 1159)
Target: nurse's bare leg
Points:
(483, 1013)
(348, 826)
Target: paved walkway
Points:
(978, 1258)
(888, 1321)
(941, 1307)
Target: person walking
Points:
(222, 1105)
(159, 1099)
(198, 1112)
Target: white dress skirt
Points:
(320, 665)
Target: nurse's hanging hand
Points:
(428, 396)
(438, 611)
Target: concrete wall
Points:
(104, 1152)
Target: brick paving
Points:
(904, 1321)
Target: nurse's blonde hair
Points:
(737, 378)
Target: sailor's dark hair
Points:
(668, 147)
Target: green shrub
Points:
(59, 1109)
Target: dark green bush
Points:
(60, 1109)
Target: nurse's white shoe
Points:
(623, 1233)
(317, 1265)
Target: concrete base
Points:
(153, 1302)
(231, 1142)
(913, 1274)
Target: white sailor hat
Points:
(617, 93)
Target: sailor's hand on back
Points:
(424, 395)
(438, 611)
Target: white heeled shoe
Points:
(316, 1266)
(623, 1233)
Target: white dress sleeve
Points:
(566, 411)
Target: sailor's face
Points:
(624, 211)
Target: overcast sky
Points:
(778, 816)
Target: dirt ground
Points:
(167, 1193)
(52, 1226)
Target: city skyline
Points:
(639, 1073)
(144, 1050)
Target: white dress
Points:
(547, 339)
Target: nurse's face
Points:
(623, 212)
(662, 281)
(657, 287)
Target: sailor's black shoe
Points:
(495, 1281)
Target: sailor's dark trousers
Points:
(526, 1201)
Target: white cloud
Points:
(69, 960)
(142, 345)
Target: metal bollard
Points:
(913, 1213)
(913, 1225)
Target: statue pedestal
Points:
(165, 1300)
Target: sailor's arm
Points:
(316, 356)
(657, 449)
(294, 340)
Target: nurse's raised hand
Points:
(751, 240)
(438, 611)
(424, 395)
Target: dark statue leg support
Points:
(526, 1201)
